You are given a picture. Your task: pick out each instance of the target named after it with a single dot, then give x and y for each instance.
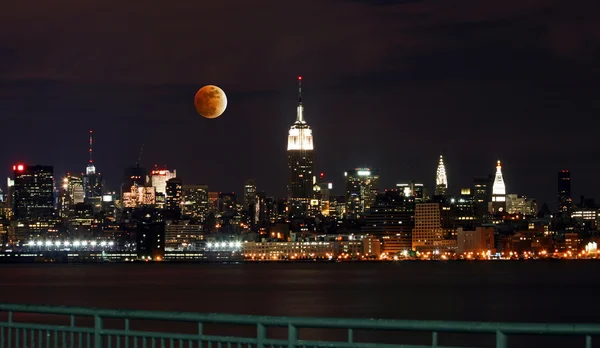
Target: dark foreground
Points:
(560, 291)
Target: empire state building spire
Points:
(91, 169)
(300, 108)
(441, 180)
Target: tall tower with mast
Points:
(92, 181)
(300, 160)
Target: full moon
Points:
(210, 101)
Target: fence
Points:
(31, 326)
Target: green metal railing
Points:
(30, 326)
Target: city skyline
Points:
(411, 80)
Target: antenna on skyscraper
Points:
(140, 157)
(91, 145)
(300, 90)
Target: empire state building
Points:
(300, 159)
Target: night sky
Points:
(386, 84)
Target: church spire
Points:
(300, 108)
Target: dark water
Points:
(543, 291)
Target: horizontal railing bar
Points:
(365, 324)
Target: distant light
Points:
(111, 243)
(57, 243)
(48, 243)
(94, 243)
(300, 78)
(67, 243)
(330, 186)
(231, 244)
(84, 243)
(364, 173)
(103, 243)
(209, 245)
(76, 243)
(39, 243)
(238, 244)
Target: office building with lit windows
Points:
(300, 161)
(428, 228)
(33, 193)
(362, 186)
(565, 202)
(159, 177)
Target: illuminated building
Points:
(323, 190)
(412, 191)
(92, 181)
(516, 204)
(213, 201)
(182, 235)
(564, 192)
(481, 195)
(476, 241)
(428, 229)
(74, 186)
(139, 196)
(462, 211)
(391, 218)
(362, 185)
(441, 181)
(33, 198)
(195, 201)
(174, 197)
(498, 203)
(300, 160)
(159, 178)
(249, 196)
(133, 176)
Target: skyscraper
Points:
(565, 201)
(362, 185)
(441, 181)
(498, 204)
(92, 181)
(300, 160)
(159, 178)
(174, 195)
(249, 195)
(33, 198)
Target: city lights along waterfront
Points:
(155, 216)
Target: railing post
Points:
(434, 339)
(292, 336)
(261, 335)
(97, 331)
(501, 340)
(10, 323)
(350, 335)
(588, 341)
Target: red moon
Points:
(210, 101)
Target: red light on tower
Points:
(322, 175)
(19, 167)
(299, 78)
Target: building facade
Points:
(362, 185)
(300, 155)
